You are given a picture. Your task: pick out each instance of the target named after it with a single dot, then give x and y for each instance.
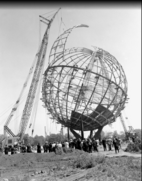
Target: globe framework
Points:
(82, 88)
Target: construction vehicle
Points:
(33, 95)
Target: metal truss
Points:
(83, 85)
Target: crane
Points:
(128, 133)
(35, 83)
(123, 123)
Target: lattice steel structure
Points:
(30, 106)
(83, 89)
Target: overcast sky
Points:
(116, 30)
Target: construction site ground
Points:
(52, 167)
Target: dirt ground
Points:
(52, 167)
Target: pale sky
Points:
(116, 30)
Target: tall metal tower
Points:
(35, 83)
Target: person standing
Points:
(90, 145)
(66, 144)
(59, 145)
(104, 144)
(23, 148)
(116, 145)
(29, 149)
(6, 150)
(78, 144)
(46, 147)
(109, 143)
(12, 150)
(95, 145)
(71, 144)
(53, 146)
(38, 148)
(85, 145)
(81, 144)
(50, 147)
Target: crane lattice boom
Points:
(35, 80)
(32, 91)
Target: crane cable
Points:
(38, 91)
(36, 105)
(51, 124)
(38, 94)
(47, 121)
(48, 13)
(60, 25)
(36, 101)
(31, 120)
(62, 21)
(39, 33)
(46, 126)
(22, 100)
(21, 93)
(34, 111)
(6, 110)
(17, 116)
(127, 120)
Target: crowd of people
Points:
(88, 145)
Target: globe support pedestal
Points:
(97, 135)
(91, 134)
(76, 135)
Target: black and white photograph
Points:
(70, 97)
